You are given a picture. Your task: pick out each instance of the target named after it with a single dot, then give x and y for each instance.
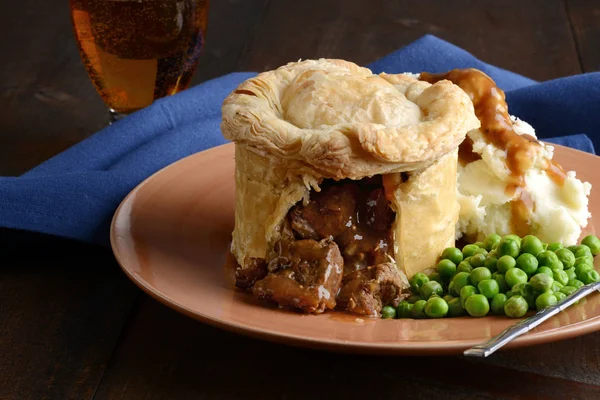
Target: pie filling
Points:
(335, 251)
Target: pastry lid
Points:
(342, 121)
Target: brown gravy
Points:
(491, 109)
(466, 154)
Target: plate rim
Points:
(347, 346)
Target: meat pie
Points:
(342, 175)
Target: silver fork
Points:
(490, 346)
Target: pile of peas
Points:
(505, 275)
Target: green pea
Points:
(469, 250)
(466, 292)
(491, 240)
(545, 300)
(590, 277)
(580, 269)
(531, 245)
(453, 254)
(558, 266)
(515, 307)
(556, 286)
(455, 309)
(478, 260)
(575, 283)
(494, 254)
(479, 274)
(544, 246)
(568, 290)
(508, 247)
(560, 296)
(464, 266)
(583, 257)
(592, 242)
(489, 288)
(541, 282)
(498, 302)
(418, 280)
(435, 276)
(528, 263)
(479, 244)
(481, 250)
(436, 307)
(547, 259)
(526, 291)
(581, 247)
(571, 273)
(388, 312)
(522, 288)
(505, 263)
(554, 246)
(491, 263)
(430, 288)
(418, 310)
(451, 289)
(501, 280)
(566, 257)
(404, 309)
(477, 305)
(514, 276)
(460, 280)
(516, 238)
(413, 299)
(546, 271)
(560, 276)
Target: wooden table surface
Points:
(72, 326)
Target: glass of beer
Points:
(137, 51)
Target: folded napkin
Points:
(75, 194)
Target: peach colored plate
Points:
(171, 236)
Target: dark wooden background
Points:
(73, 327)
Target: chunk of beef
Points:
(330, 212)
(254, 270)
(301, 226)
(304, 274)
(375, 211)
(366, 291)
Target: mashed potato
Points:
(558, 214)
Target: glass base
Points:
(115, 116)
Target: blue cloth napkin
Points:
(75, 194)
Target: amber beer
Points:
(136, 51)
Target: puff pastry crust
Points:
(331, 119)
(345, 122)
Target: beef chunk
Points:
(255, 269)
(330, 211)
(375, 211)
(303, 274)
(366, 291)
(301, 226)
